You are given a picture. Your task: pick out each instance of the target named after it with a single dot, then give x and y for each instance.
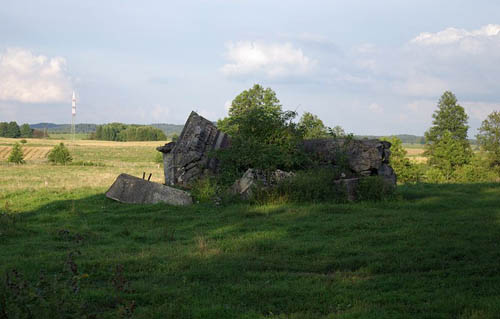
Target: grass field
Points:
(112, 159)
(431, 252)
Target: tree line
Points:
(13, 130)
(127, 132)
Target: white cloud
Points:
(29, 78)
(375, 108)
(479, 110)
(227, 105)
(160, 114)
(271, 60)
(453, 35)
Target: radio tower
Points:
(73, 114)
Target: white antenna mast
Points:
(73, 114)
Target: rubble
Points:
(257, 178)
(361, 157)
(133, 190)
(188, 158)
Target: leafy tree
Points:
(263, 136)
(405, 170)
(446, 141)
(312, 127)
(449, 155)
(26, 130)
(489, 138)
(16, 155)
(337, 131)
(257, 98)
(13, 130)
(60, 155)
(4, 127)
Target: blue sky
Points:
(373, 67)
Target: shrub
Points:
(478, 171)
(406, 171)
(313, 185)
(204, 190)
(16, 155)
(60, 155)
(435, 175)
(374, 188)
(158, 158)
(23, 141)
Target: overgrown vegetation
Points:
(263, 136)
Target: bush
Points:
(158, 158)
(478, 171)
(23, 141)
(16, 155)
(435, 175)
(313, 185)
(374, 188)
(204, 190)
(60, 155)
(406, 171)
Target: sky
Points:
(372, 67)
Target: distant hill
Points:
(64, 128)
(168, 129)
(405, 138)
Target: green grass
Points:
(434, 252)
(69, 136)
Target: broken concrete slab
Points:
(257, 178)
(362, 157)
(133, 190)
(189, 158)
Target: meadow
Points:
(66, 251)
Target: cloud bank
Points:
(29, 78)
(269, 60)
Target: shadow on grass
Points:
(432, 252)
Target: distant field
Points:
(113, 158)
(416, 154)
(68, 136)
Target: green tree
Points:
(312, 126)
(13, 130)
(263, 136)
(60, 155)
(449, 155)
(405, 170)
(336, 131)
(26, 130)
(447, 146)
(489, 138)
(4, 127)
(16, 155)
